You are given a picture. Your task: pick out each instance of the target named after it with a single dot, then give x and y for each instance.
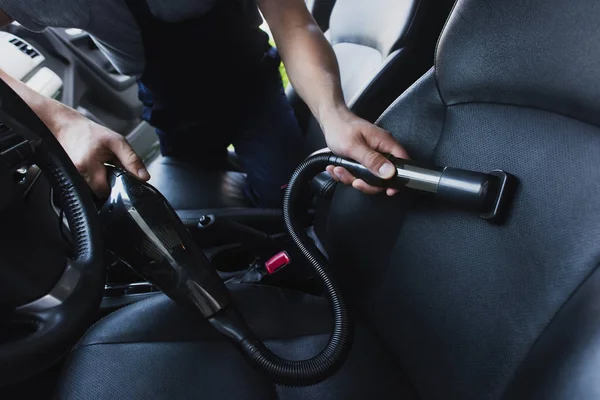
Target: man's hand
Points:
(350, 136)
(314, 73)
(90, 145)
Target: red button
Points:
(276, 262)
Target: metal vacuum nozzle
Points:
(143, 230)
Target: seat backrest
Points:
(382, 47)
(468, 309)
(364, 34)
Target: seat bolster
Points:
(565, 361)
(155, 349)
(270, 311)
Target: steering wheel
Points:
(57, 319)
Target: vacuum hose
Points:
(144, 231)
(318, 368)
(488, 194)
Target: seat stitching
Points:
(408, 33)
(529, 107)
(437, 45)
(201, 340)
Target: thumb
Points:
(378, 141)
(128, 158)
(373, 161)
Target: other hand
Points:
(90, 145)
(350, 136)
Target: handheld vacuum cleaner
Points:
(143, 230)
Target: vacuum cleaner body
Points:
(143, 230)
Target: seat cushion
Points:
(188, 186)
(155, 349)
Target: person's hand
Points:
(350, 136)
(90, 145)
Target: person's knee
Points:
(265, 196)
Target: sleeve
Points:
(22, 12)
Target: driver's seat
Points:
(445, 304)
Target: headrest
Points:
(535, 53)
(379, 24)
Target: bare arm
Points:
(309, 59)
(4, 19)
(88, 144)
(50, 111)
(314, 72)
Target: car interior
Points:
(476, 281)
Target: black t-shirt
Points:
(110, 22)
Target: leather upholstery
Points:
(174, 355)
(563, 364)
(467, 309)
(529, 64)
(483, 311)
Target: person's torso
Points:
(110, 22)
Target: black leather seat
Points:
(383, 46)
(447, 305)
(156, 350)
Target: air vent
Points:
(24, 47)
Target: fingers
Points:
(112, 148)
(340, 174)
(365, 188)
(368, 148)
(95, 176)
(369, 153)
(127, 157)
(383, 142)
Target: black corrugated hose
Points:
(323, 365)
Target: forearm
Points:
(51, 112)
(88, 144)
(308, 57)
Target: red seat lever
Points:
(277, 262)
